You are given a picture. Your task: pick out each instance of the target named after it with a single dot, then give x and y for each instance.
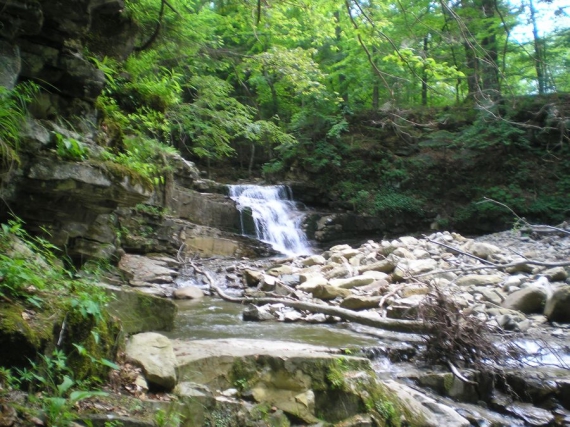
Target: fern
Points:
(13, 113)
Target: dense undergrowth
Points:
(58, 342)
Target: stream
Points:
(211, 318)
(278, 222)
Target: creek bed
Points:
(211, 318)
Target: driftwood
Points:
(396, 325)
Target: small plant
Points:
(54, 380)
(336, 373)
(150, 210)
(387, 410)
(70, 148)
(167, 418)
(13, 113)
(241, 384)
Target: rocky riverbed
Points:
(514, 284)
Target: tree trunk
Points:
(539, 57)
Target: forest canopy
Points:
(269, 82)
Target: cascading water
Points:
(277, 220)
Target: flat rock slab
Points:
(210, 362)
(188, 351)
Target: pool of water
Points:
(212, 318)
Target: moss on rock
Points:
(23, 334)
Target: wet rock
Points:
(188, 292)
(252, 277)
(531, 415)
(291, 280)
(434, 413)
(155, 354)
(10, 65)
(447, 384)
(257, 314)
(290, 316)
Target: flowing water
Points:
(211, 318)
(276, 217)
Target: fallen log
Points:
(395, 325)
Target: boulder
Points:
(481, 250)
(144, 271)
(257, 314)
(386, 266)
(423, 407)
(556, 274)
(252, 277)
(328, 292)
(314, 260)
(413, 267)
(527, 300)
(312, 283)
(188, 292)
(557, 308)
(352, 282)
(154, 353)
(292, 377)
(139, 311)
(479, 280)
(360, 302)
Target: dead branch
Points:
(534, 227)
(460, 339)
(459, 375)
(489, 264)
(396, 325)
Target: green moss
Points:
(388, 410)
(120, 172)
(23, 334)
(243, 373)
(98, 341)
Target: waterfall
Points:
(277, 220)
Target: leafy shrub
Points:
(488, 131)
(143, 159)
(69, 148)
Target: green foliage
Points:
(13, 113)
(27, 264)
(489, 130)
(143, 158)
(385, 202)
(69, 148)
(54, 379)
(213, 119)
(167, 418)
(150, 210)
(388, 412)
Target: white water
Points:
(277, 220)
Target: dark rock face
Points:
(44, 40)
